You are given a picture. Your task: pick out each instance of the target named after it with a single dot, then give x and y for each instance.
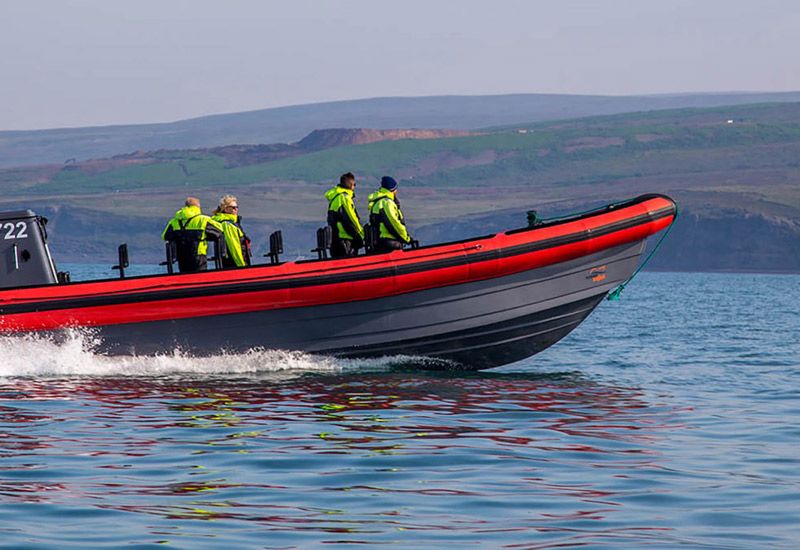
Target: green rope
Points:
(614, 294)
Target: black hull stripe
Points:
(318, 280)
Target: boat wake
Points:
(72, 354)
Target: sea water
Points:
(669, 419)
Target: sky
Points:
(67, 63)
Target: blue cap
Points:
(388, 183)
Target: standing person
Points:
(348, 233)
(385, 214)
(190, 230)
(236, 241)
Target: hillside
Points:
(735, 172)
(288, 124)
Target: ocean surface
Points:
(669, 419)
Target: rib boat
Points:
(477, 303)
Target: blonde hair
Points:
(225, 202)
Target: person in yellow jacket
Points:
(348, 233)
(385, 214)
(191, 230)
(236, 241)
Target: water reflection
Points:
(374, 458)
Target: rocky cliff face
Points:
(337, 137)
(246, 154)
(730, 240)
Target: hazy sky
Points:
(97, 62)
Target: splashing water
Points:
(72, 354)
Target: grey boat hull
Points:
(475, 325)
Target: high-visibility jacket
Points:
(342, 214)
(236, 240)
(190, 229)
(384, 211)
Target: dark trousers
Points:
(228, 263)
(191, 263)
(343, 248)
(387, 245)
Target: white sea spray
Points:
(73, 354)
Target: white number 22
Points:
(20, 227)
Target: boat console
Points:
(25, 259)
